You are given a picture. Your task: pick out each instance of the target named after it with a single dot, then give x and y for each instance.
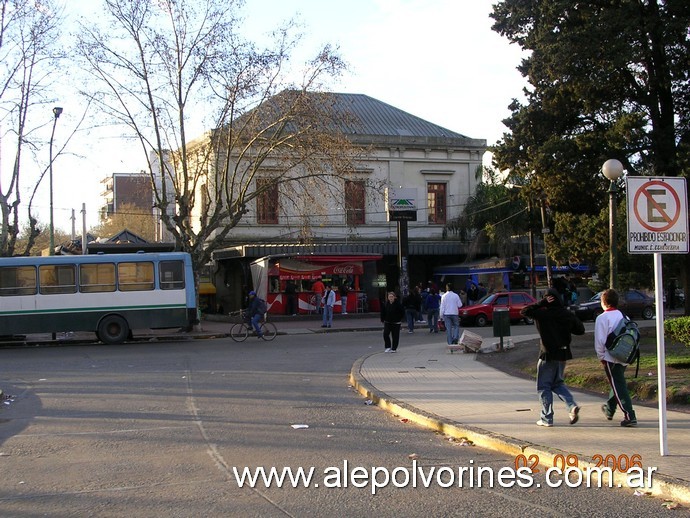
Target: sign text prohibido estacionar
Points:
(657, 215)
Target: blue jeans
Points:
(550, 382)
(452, 328)
(327, 315)
(432, 320)
(255, 323)
(410, 316)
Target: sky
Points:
(436, 59)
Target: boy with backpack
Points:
(605, 325)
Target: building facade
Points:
(439, 166)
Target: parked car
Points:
(482, 313)
(633, 303)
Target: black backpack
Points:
(623, 343)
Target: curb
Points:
(663, 486)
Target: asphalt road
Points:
(158, 429)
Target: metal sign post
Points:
(658, 224)
(402, 207)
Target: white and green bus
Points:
(110, 294)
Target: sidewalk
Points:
(462, 397)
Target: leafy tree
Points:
(606, 80)
(29, 52)
(494, 214)
(159, 66)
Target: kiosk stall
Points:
(271, 275)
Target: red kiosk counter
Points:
(273, 275)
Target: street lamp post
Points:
(613, 170)
(57, 111)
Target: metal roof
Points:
(374, 117)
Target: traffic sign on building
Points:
(657, 215)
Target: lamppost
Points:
(613, 170)
(57, 111)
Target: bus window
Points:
(19, 280)
(135, 276)
(55, 279)
(171, 275)
(99, 277)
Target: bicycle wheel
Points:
(239, 332)
(268, 331)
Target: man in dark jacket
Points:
(555, 324)
(392, 313)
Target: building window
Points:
(267, 201)
(436, 202)
(354, 202)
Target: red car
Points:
(482, 313)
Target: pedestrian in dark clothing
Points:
(411, 303)
(555, 324)
(392, 313)
(291, 294)
(344, 290)
(433, 304)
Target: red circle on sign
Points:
(670, 222)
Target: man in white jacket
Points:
(449, 312)
(615, 370)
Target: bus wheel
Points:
(113, 329)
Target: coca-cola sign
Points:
(344, 269)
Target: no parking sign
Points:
(657, 215)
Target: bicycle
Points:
(241, 330)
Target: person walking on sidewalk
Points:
(556, 325)
(615, 370)
(392, 313)
(411, 304)
(328, 303)
(449, 312)
(433, 303)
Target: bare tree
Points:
(129, 217)
(162, 65)
(29, 53)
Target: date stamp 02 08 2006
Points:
(621, 463)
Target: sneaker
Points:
(541, 422)
(629, 423)
(574, 414)
(409, 331)
(259, 336)
(394, 350)
(388, 350)
(606, 412)
(324, 325)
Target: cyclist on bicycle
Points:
(255, 312)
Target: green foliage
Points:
(678, 329)
(494, 211)
(606, 80)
